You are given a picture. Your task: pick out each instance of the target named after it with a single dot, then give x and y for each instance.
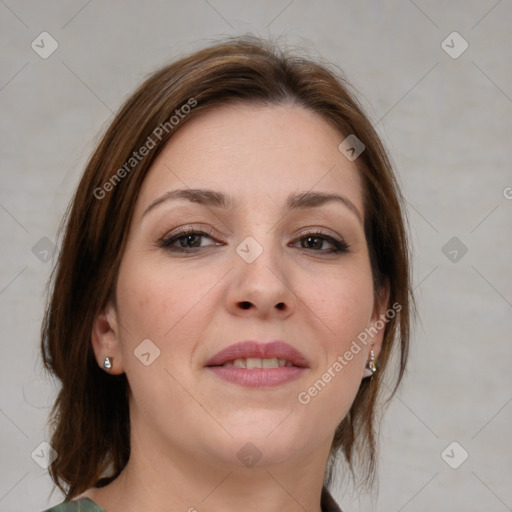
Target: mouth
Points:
(256, 364)
(254, 354)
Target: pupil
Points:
(189, 238)
(311, 239)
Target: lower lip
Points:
(258, 377)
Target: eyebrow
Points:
(212, 198)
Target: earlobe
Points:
(380, 317)
(105, 341)
(376, 329)
(370, 368)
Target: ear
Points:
(379, 318)
(105, 339)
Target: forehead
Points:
(254, 153)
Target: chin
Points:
(252, 452)
(263, 437)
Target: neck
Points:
(155, 479)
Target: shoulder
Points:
(82, 505)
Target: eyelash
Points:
(340, 246)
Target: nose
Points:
(262, 288)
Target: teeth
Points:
(253, 362)
(256, 362)
(270, 363)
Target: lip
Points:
(258, 377)
(251, 348)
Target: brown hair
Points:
(90, 418)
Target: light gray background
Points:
(446, 122)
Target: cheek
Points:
(344, 307)
(155, 302)
(160, 306)
(168, 307)
(344, 304)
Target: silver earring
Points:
(107, 364)
(370, 368)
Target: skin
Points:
(187, 425)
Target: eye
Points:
(189, 240)
(315, 241)
(186, 240)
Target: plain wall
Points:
(446, 122)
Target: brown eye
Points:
(186, 240)
(315, 242)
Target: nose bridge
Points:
(262, 280)
(260, 253)
(258, 240)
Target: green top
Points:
(87, 505)
(81, 505)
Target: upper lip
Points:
(263, 350)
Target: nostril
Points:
(247, 305)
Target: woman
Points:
(233, 279)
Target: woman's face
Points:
(274, 262)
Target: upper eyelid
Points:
(184, 230)
(206, 232)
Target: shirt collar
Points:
(327, 502)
